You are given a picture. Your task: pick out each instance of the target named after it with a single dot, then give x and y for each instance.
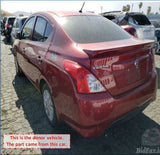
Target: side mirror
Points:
(19, 36)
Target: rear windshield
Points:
(155, 23)
(11, 21)
(92, 29)
(141, 20)
(110, 17)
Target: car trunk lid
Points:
(120, 65)
(146, 32)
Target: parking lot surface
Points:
(22, 112)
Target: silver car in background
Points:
(17, 26)
(155, 20)
(142, 25)
(144, 28)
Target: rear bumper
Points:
(100, 128)
(131, 114)
(94, 113)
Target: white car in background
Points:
(142, 25)
(144, 28)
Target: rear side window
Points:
(39, 29)
(48, 31)
(27, 29)
(92, 29)
(42, 30)
(11, 21)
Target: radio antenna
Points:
(82, 7)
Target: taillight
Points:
(7, 25)
(134, 32)
(131, 30)
(85, 81)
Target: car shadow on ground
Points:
(5, 41)
(123, 138)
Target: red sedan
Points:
(90, 71)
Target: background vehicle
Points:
(89, 76)
(144, 29)
(155, 20)
(8, 27)
(18, 23)
(116, 17)
(3, 25)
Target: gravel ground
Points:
(22, 112)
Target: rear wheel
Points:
(157, 49)
(49, 106)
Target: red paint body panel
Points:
(90, 114)
(71, 13)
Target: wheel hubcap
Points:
(48, 105)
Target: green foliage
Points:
(148, 10)
(126, 8)
(140, 6)
(21, 15)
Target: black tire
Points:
(54, 121)
(18, 70)
(157, 48)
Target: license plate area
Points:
(132, 75)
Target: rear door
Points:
(37, 48)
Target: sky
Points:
(96, 6)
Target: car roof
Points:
(112, 12)
(71, 13)
(64, 13)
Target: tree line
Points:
(127, 8)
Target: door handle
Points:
(24, 50)
(39, 59)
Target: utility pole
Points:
(101, 9)
(132, 7)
